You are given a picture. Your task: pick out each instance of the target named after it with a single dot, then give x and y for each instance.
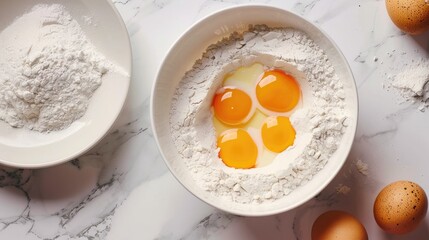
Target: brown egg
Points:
(337, 225)
(400, 207)
(411, 16)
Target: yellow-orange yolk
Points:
(237, 149)
(277, 133)
(252, 99)
(277, 91)
(232, 106)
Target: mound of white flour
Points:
(412, 84)
(48, 70)
(323, 118)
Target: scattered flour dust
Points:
(411, 84)
(323, 119)
(362, 167)
(343, 189)
(48, 70)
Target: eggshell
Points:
(411, 16)
(400, 207)
(338, 225)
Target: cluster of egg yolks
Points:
(232, 106)
(275, 91)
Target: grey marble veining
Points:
(102, 175)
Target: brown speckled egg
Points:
(411, 16)
(336, 225)
(400, 207)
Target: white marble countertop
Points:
(121, 189)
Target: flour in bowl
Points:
(49, 70)
(319, 123)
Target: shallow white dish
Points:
(31, 149)
(182, 56)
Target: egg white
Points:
(246, 79)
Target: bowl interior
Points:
(190, 47)
(31, 149)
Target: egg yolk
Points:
(237, 149)
(277, 91)
(231, 106)
(277, 133)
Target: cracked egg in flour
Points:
(251, 115)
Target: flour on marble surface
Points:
(323, 120)
(362, 167)
(343, 189)
(411, 83)
(48, 70)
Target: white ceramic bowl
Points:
(30, 149)
(191, 45)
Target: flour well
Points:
(48, 70)
(320, 123)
